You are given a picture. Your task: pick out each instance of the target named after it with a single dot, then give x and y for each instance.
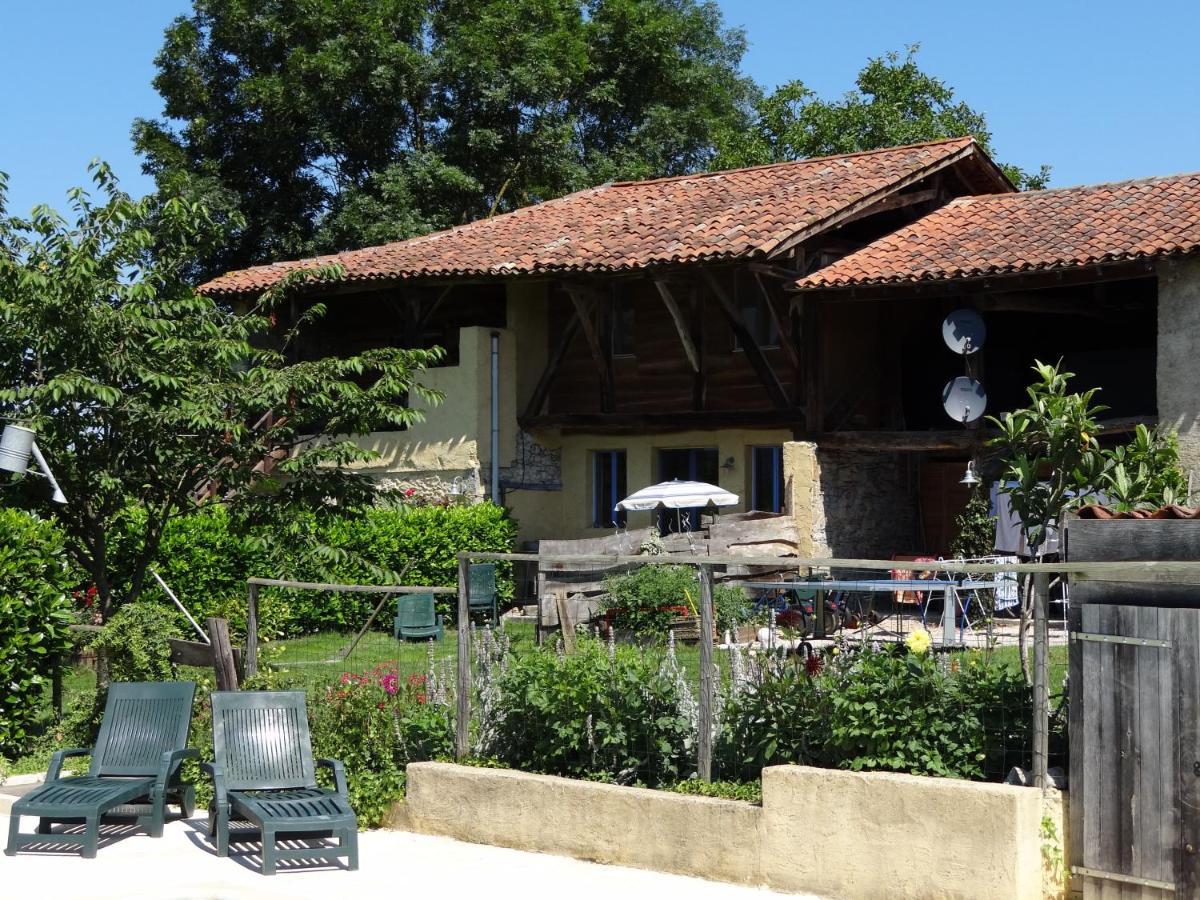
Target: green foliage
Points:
(894, 102)
(338, 123)
(1050, 450)
(376, 723)
(776, 722)
(143, 392)
(135, 641)
(648, 598)
(880, 710)
(974, 528)
(748, 791)
(207, 557)
(1145, 473)
(35, 612)
(586, 713)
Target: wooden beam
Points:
(896, 201)
(434, 307)
(850, 210)
(584, 313)
(813, 383)
(775, 271)
(749, 345)
(542, 390)
(681, 327)
(786, 338)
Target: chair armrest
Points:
(56, 761)
(218, 779)
(339, 774)
(170, 764)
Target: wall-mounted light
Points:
(728, 464)
(970, 477)
(17, 445)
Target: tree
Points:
(894, 103)
(146, 396)
(329, 124)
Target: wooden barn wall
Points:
(657, 377)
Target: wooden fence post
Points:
(222, 655)
(463, 691)
(252, 631)
(704, 738)
(1041, 687)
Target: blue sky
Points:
(1100, 90)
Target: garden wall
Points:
(832, 833)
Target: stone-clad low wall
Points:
(835, 834)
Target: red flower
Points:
(417, 680)
(813, 665)
(420, 698)
(410, 492)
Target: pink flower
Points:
(345, 678)
(389, 683)
(410, 492)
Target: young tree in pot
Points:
(1051, 460)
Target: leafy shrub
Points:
(648, 598)
(619, 713)
(206, 562)
(748, 791)
(35, 612)
(878, 710)
(376, 723)
(135, 641)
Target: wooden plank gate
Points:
(1134, 797)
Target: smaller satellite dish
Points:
(964, 399)
(964, 331)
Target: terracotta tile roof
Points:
(1008, 234)
(627, 225)
(1165, 512)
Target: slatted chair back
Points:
(261, 740)
(416, 611)
(481, 590)
(142, 721)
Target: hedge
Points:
(35, 612)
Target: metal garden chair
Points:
(481, 590)
(134, 770)
(264, 774)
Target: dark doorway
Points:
(686, 464)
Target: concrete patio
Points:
(182, 865)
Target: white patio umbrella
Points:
(678, 495)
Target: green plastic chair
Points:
(264, 774)
(481, 590)
(134, 771)
(417, 618)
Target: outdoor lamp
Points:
(17, 444)
(970, 478)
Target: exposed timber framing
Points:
(681, 326)
(814, 393)
(586, 305)
(541, 391)
(749, 345)
(787, 341)
(428, 315)
(895, 201)
(846, 213)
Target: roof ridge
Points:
(1073, 188)
(787, 162)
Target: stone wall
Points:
(1178, 372)
(852, 504)
(836, 834)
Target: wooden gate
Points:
(1135, 751)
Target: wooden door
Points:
(1135, 761)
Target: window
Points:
(624, 325)
(608, 487)
(686, 464)
(766, 479)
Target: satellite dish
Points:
(964, 399)
(964, 331)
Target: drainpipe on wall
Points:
(495, 473)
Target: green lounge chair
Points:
(481, 590)
(134, 771)
(264, 775)
(417, 618)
